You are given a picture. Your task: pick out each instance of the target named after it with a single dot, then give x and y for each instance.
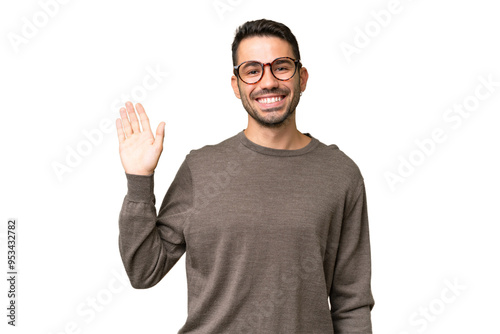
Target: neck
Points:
(284, 138)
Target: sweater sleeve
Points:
(350, 295)
(150, 244)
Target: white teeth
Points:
(270, 99)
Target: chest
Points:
(264, 205)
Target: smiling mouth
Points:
(270, 99)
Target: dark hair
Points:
(264, 27)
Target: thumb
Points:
(160, 135)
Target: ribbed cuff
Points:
(140, 187)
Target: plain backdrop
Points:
(387, 81)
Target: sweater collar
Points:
(278, 152)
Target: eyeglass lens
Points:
(282, 68)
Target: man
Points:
(273, 222)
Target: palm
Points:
(139, 150)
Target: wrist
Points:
(139, 172)
(140, 187)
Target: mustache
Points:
(274, 91)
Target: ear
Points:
(234, 84)
(304, 75)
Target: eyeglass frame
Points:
(236, 69)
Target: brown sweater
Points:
(271, 236)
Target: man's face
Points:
(258, 98)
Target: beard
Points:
(270, 121)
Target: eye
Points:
(251, 69)
(283, 65)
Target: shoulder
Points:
(339, 166)
(213, 154)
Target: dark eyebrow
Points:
(280, 61)
(249, 62)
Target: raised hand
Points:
(139, 150)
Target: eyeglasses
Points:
(251, 71)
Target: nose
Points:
(268, 80)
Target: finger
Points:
(125, 122)
(144, 118)
(133, 117)
(160, 134)
(119, 129)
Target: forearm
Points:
(142, 251)
(351, 297)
